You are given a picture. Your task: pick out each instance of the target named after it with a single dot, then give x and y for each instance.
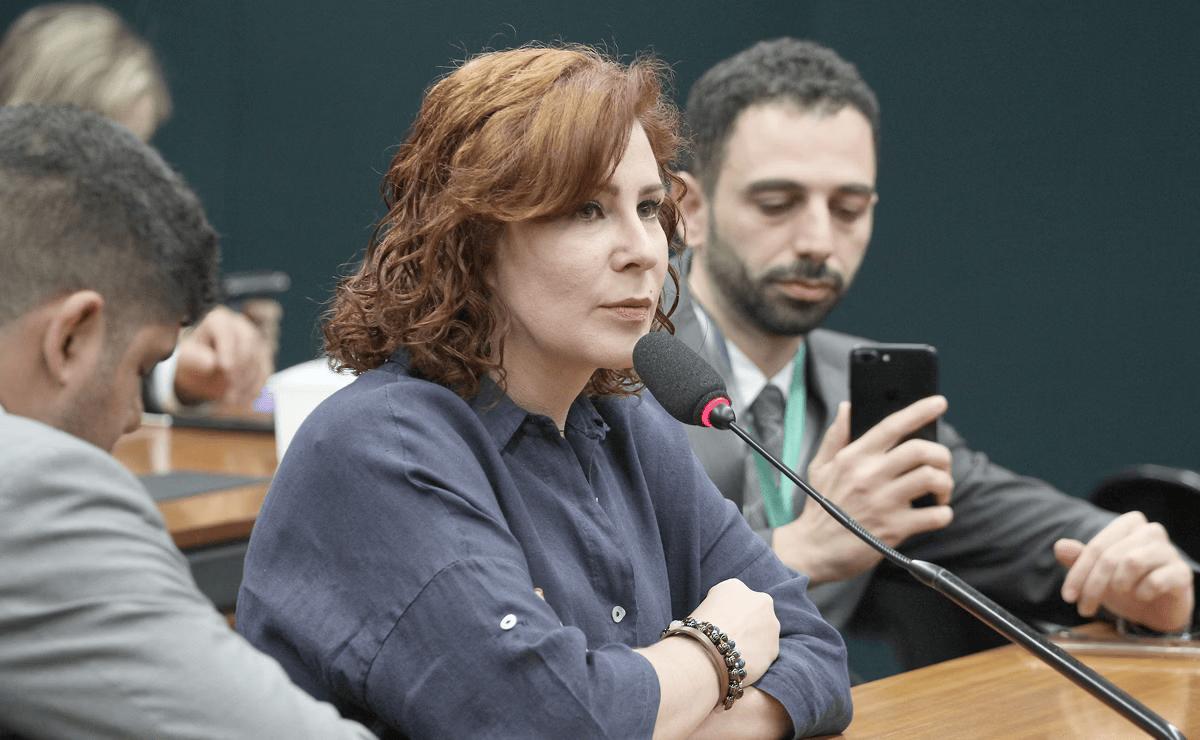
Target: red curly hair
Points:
(513, 135)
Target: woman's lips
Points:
(633, 309)
(630, 313)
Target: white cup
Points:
(297, 391)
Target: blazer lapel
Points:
(723, 459)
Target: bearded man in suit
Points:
(779, 208)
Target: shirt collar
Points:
(502, 417)
(499, 415)
(750, 380)
(747, 380)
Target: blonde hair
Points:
(80, 54)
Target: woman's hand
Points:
(687, 691)
(748, 617)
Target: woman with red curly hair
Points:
(491, 532)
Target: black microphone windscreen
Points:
(679, 378)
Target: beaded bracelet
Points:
(721, 649)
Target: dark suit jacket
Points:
(1004, 524)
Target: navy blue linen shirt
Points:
(392, 569)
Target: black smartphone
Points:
(885, 378)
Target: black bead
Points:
(740, 663)
(731, 644)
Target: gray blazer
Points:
(1001, 539)
(102, 630)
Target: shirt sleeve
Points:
(103, 633)
(810, 677)
(158, 390)
(422, 610)
(1001, 540)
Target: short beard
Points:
(773, 314)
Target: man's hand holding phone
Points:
(875, 479)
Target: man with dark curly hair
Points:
(104, 254)
(779, 214)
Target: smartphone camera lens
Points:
(868, 356)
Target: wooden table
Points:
(1006, 693)
(207, 518)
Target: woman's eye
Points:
(590, 211)
(649, 209)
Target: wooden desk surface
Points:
(1006, 693)
(206, 518)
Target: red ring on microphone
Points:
(708, 409)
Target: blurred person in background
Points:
(85, 55)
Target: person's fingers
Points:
(887, 433)
(915, 521)
(196, 356)
(242, 357)
(197, 377)
(1081, 569)
(918, 482)
(914, 453)
(262, 371)
(1066, 551)
(247, 362)
(1098, 585)
(215, 330)
(836, 437)
(1162, 580)
(1139, 561)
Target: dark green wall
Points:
(1040, 178)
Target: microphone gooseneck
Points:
(694, 393)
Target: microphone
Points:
(684, 384)
(694, 393)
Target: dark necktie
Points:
(767, 413)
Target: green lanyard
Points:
(777, 492)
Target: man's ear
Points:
(73, 342)
(694, 207)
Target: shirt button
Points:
(618, 613)
(509, 621)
